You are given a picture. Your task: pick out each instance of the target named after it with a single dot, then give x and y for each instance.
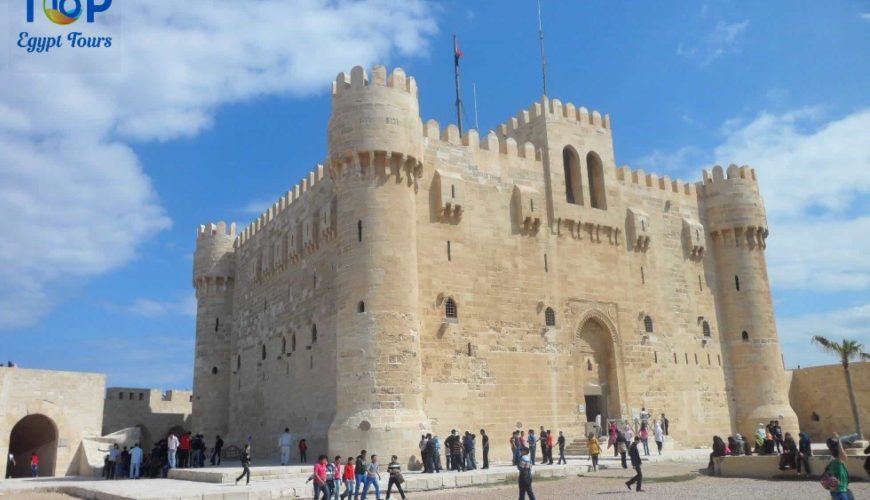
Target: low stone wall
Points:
(767, 467)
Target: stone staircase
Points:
(579, 447)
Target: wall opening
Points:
(700, 284)
(293, 342)
(238, 361)
(642, 276)
(546, 267)
(283, 345)
(675, 358)
(595, 169)
(450, 310)
(744, 336)
(359, 230)
(656, 357)
(263, 352)
(647, 324)
(34, 433)
(214, 370)
(687, 357)
(449, 256)
(313, 333)
(705, 327)
(470, 349)
(361, 307)
(737, 282)
(550, 316)
(573, 187)
(217, 324)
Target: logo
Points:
(66, 12)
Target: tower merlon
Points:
(627, 176)
(358, 78)
(214, 229)
(493, 142)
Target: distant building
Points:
(153, 411)
(423, 279)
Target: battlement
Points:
(471, 139)
(358, 78)
(554, 109)
(282, 204)
(733, 172)
(215, 229)
(627, 176)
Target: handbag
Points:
(400, 478)
(828, 480)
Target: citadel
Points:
(421, 280)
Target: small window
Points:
(705, 326)
(531, 205)
(470, 349)
(588, 365)
(696, 358)
(719, 359)
(217, 324)
(238, 362)
(687, 358)
(361, 307)
(359, 230)
(449, 257)
(642, 225)
(737, 282)
(293, 342)
(141, 396)
(313, 334)
(656, 357)
(709, 360)
(642, 276)
(120, 395)
(550, 316)
(452, 191)
(450, 309)
(314, 281)
(647, 324)
(263, 353)
(700, 284)
(745, 336)
(283, 345)
(546, 267)
(214, 370)
(675, 358)
(131, 396)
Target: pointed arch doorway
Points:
(595, 369)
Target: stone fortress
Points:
(423, 280)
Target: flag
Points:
(457, 52)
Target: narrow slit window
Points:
(642, 276)
(361, 307)
(452, 191)
(217, 324)
(687, 358)
(359, 230)
(675, 358)
(469, 349)
(263, 354)
(696, 358)
(737, 282)
(656, 357)
(449, 256)
(700, 284)
(709, 360)
(546, 267)
(283, 345)
(719, 359)
(293, 343)
(238, 362)
(313, 334)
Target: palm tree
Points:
(846, 350)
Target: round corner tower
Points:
(375, 154)
(213, 279)
(734, 214)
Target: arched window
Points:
(313, 333)
(550, 316)
(263, 355)
(450, 309)
(571, 164)
(361, 307)
(705, 326)
(647, 324)
(359, 230)
(596, 181)
(745, 336)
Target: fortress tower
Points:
(213, 279)
(374, 158)
(733, 213)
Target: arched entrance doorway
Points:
(595, 370)
(33, 433)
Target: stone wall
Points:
(72, 404)
(822, 389)
(154, 411)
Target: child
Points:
(34, 464)
(594, 450)
(395, 470)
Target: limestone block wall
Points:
(822, 390)
(71, 401)
(154, 411)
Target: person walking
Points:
(436, 446)
(635, 462)
(396, 478)
(349, 477)
(321, 491)
(484, 441)
(246, 465)
(836, 477)
(360, 471)
(285, 441)
(622, 448)
(34, 465)
(303, 451)
(561, 444)
(551, 442)
(533, 445)
(184, 451)
(515, 450)
(594, 450)
(373, 477)
(665, 423)
(659, 435)
(136, 455)
(10, 465)
(612, 433)
(524, 479)
(172, 450)
(216, 452)
(333, 478)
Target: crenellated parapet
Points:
(493, 144)
(554, 110)
(213, 266)
(733, 208)
(642, 180)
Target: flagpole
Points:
(543, 56)
(456, 56)
(474, 90)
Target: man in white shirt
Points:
(285, 442)
(135, 461)
(172, 445)
(10, 465)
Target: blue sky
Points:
(202, 111)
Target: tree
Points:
(846, 350)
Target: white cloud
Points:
(796, 332)
(150, 308)
(865, 16)
(684, 159)
(257, 207)
(722, 39)
(75, 200)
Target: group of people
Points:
(11, 464)
(460, 451)
(545, 439)
(186, 451)
(621, 439)
(357, 476)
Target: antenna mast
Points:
(457, 54)
(543, 55)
